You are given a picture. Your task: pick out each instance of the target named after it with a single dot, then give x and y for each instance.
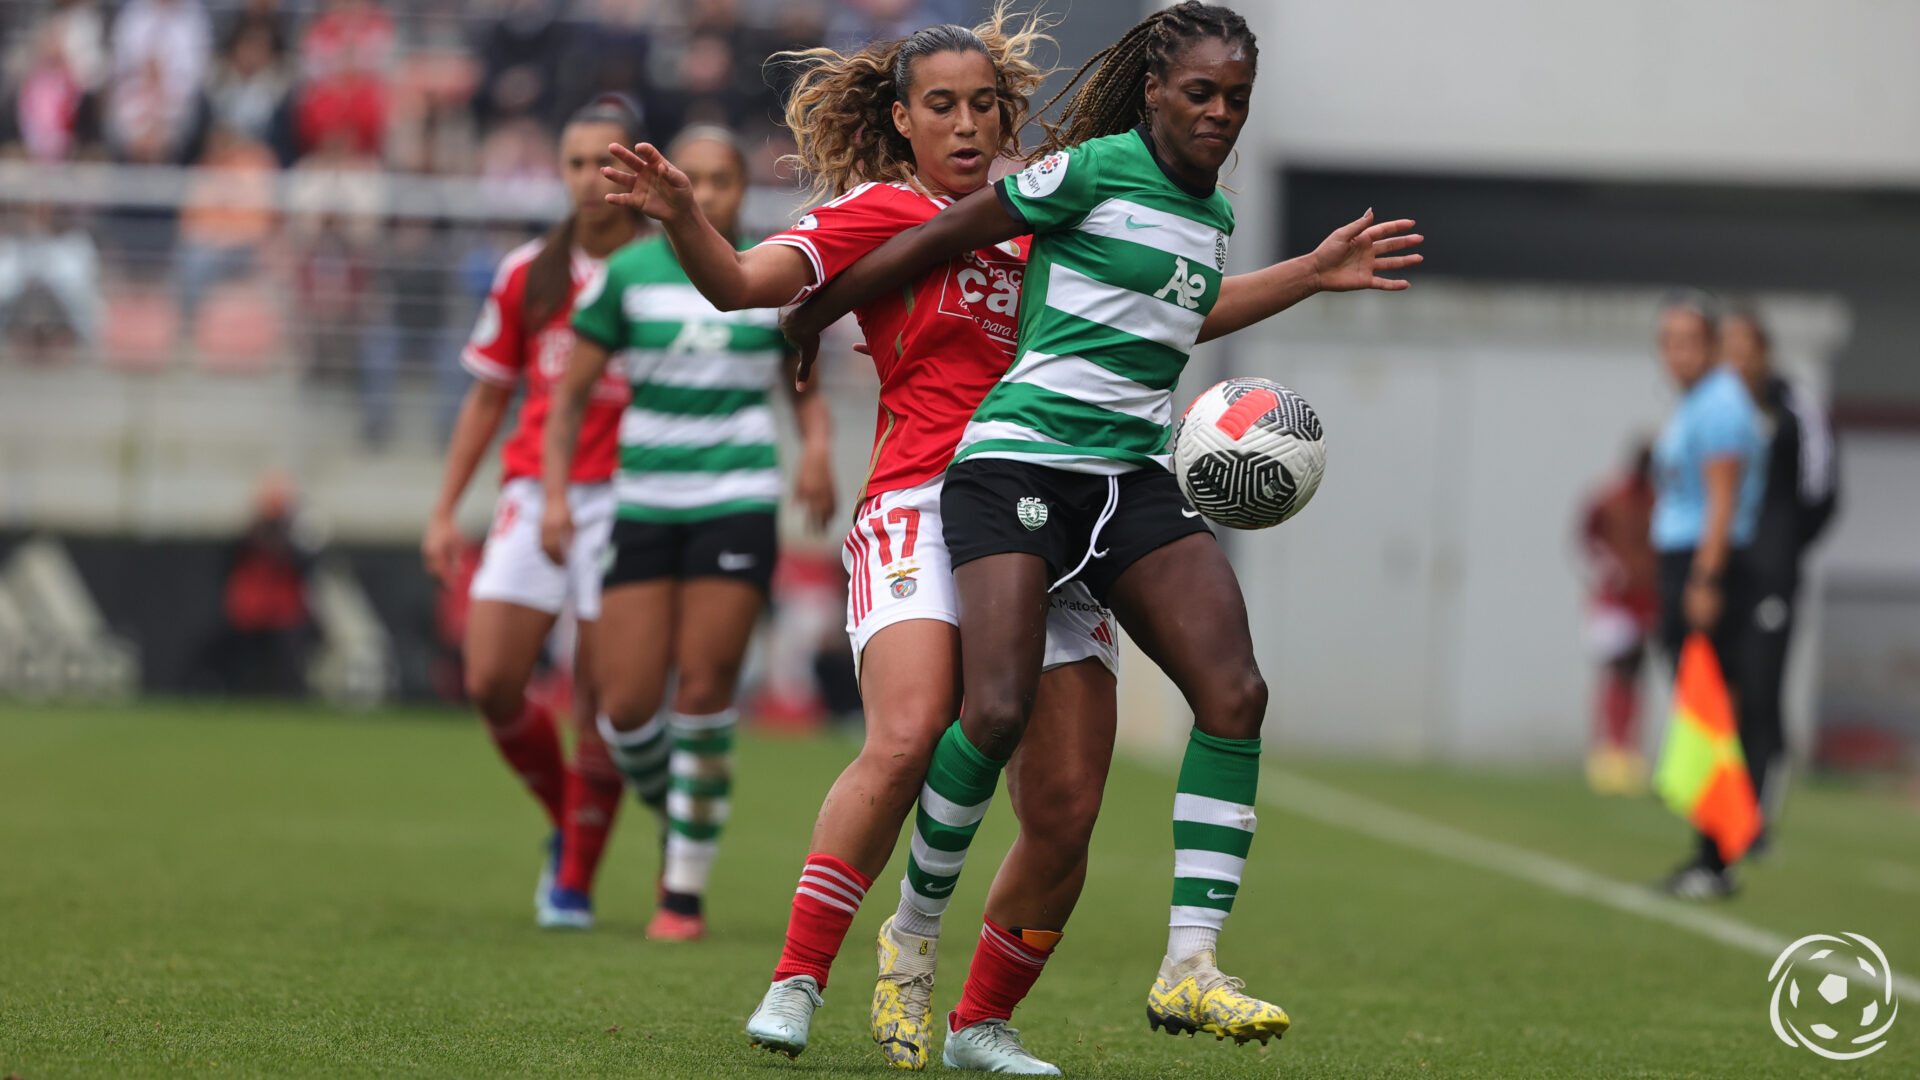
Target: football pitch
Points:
(243, 890)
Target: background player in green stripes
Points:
(694, 538)
(1061, 474)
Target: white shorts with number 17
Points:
(513, 567)
(898, 569)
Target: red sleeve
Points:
(836, 235)
(496, 352)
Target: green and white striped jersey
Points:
(1125, 264)
(698, 439)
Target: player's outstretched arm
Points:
(766, 276)
(977, 221)
(1353, 257)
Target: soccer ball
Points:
(1249, 453)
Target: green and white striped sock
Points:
(957, 792)
(1213, 823)
(697, 803)
(641, 757)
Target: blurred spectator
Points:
(407, 321)
(161, 50)
(227, 219)
(76, 30)
(250, 83)
(522, 56)
(334, 196)
(267, 630)
(48, 99)
(1801, 492)
(856, 22)
(1621, 611)
(704, 89)
(49, 282)
(345, 56)
(430, 127)
(611, 58)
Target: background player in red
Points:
(896, 131)
(1621, 612)
(523, 337)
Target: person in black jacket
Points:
(1802, 475)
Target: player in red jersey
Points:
(941, 107)
(523, 337)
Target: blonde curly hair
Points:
(841, 108)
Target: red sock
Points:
(829, 893)
(1005, 965)
(593, 794)
(1620, 710)
(532, 748)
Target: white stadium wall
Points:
(1749, 90)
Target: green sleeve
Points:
(596, 311)
(1057, 192)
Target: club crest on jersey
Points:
(904, 584)
(1043, 177)
(1031, 511)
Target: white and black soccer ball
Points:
(1249, 453)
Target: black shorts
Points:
(737, 546)
(991, 506)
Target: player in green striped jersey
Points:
(693, 543)
(1061, 475)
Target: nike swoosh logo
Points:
(1211, 895)
(1189, 513)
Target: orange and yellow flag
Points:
(1702, 776)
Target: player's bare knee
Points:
(1240, 707)
(994, 728)
(702, 693)
(498, 696)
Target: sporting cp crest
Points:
(1033, 512)
(904, 583)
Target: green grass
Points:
(236, 891)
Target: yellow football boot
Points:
(903, 996)
(1193, 996)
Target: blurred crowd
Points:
(302, 119)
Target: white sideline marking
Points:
(1343, 810)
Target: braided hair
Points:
(841, 108)
(1113, 99)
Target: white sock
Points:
(910, 920)
(1184, 941)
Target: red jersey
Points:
(503, 351)
(940, 343)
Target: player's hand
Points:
(556, 530)
(1702, 603)
(1357, 253)
(813, 488)
(804, 340)
(440, 549)
(653, 185)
